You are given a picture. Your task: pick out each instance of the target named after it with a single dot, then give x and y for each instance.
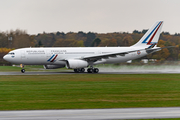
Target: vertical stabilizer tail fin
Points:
(151, 37)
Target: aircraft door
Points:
(48, 54)
(23, 56)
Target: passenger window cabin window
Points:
(11, 53)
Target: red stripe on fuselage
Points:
(149, 43)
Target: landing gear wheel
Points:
(90, 70)
(79, 70)
(23, 70)
(76, 70)
(82, 70)
(22, 66)
(96, 70)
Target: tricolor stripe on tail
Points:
(151, 37)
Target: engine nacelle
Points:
(53, 66)
(74, 64)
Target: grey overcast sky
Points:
(101, 16)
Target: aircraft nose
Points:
(5, 57)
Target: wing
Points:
(94, 58)
(122, 53)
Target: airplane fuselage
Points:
(41, 56)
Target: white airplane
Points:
(78, 58)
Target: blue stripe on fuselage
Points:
(51, 58)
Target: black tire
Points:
(76, 70)
(23, 70)
(90, 70)
(82, 70)
(96, 70)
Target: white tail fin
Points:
(150, 39)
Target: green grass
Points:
(74, 91)
(15, 68)
(9, 68)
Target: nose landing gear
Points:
(22, 70)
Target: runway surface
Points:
(108, 70)
(92, 114)
(70, 72)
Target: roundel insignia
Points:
(138, 52)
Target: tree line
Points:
(14, 39)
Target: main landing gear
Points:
(89, 70)
(79, 70)
(22, 70)
(92, 70)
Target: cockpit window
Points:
(11, 53)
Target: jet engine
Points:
(53, 66)
(74, 64)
